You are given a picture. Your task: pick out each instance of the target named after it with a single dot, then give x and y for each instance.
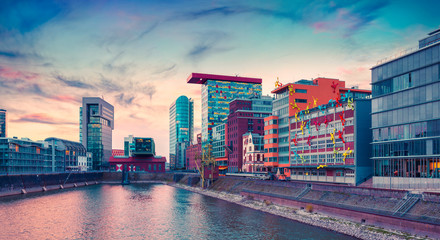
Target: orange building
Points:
(290, 99)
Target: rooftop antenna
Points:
(102, 97)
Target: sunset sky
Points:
(138, 54)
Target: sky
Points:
(137, 55)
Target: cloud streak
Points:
(72, 82)
(41, 118)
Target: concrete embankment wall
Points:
(371, 206)
(17, 184)
(27, 183)
(414, 227)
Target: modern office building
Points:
(289, 100)
(217, 92)
(193, 152)
(96, 125)
(3, 119)
(331, 143)
(181, 130)
(141, 157)
(253, 152)
(138, 146)
(27, 156)
(406, 118)
(76, 157)
(245, 115)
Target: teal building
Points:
(181, 130)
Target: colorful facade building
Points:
(217, 92)
(96, 125)
(118, 152)
(181, 130)
(253, 152)
(289, 100)
(245, 115)
(141, 157)
(331, 143)
(193, 154)
(3, 119)
(406, 118)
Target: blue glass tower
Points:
(181, 130)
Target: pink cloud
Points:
(343, 70)
(40, 118)
(9, 73)
(321, 27)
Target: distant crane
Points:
(207, 161)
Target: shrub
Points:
(267, 202)
(309, 208)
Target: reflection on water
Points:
(141, 211)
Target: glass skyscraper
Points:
(96, 125)
(3, 123)
(217, 92)
(181, 130)
(406, 118)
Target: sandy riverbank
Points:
(354, 229)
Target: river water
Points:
(142, 211)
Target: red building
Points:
(118, 152)
(245, 115)
(191, 152)
(290, 100)
(138, 163)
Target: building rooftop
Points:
(314, 82)
(201, 78)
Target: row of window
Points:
(419, 167)
(271, 131)
(271, 122)
(327, 112)
(280, 102)
(427, 111)
(407, 98)
(407, 131)
(407, 148)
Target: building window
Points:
(301, 90)
(299, 100)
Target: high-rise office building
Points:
(406, 118)
(181, 130)
(96, 125)
(217, 92)
(3, 123)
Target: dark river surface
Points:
(142, 211)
